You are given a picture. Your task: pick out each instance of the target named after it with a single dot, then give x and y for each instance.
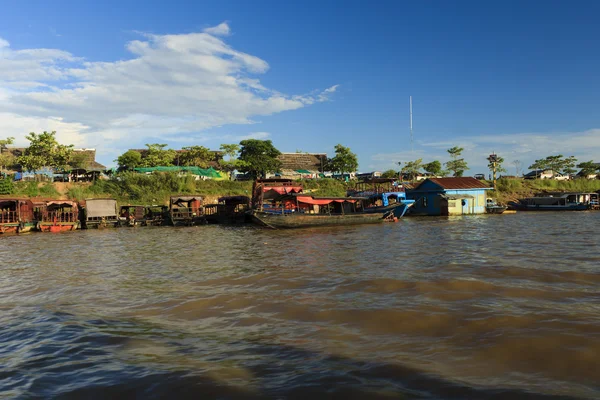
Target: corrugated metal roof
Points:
(457, 183)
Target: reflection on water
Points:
(467, 307)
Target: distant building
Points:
(302, 165)
(449, 196)
(539, 174)
(89, 162)
(589, 176)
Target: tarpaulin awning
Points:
(312, 200)
(283, 189)
(208, 172)
(101, 208)
(303, 171)
(177, 199)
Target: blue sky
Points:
(517, 78)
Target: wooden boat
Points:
(186, 211)
(491, 207)
(16, 215)
(384, 194)
(228, 210)
(140, 215)
(57, 216)
(280, 204)
(306, 220)
(100, 213)
(558, 202)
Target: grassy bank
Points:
(156, 188)
(130, 188)
(513, 189)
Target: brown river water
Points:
(480, 307)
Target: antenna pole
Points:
(411, 128)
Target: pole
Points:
(411, 125)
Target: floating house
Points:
(449, 196)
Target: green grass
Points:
(326, 187)
(31, 189)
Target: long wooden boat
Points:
(143, 215)
(560, 202)
(57, 216)
(290, 220)
(16, 215)
(228, 210)
(100, 213)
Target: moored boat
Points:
(491, 207)
(57, 216)
(556, 202)
(228, 210)
(186, 211)
(16, 215)
(100, 213)
(383, 194)
(282, 204)
(140, 215)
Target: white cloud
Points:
(525, 147)
(220, 30)
(172, 87)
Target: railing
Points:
(7, 217)
(187, 213)
(59, 216)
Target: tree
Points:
(390, 173)
(412, 168)
(7, 159)
(6, 142)
(434, 168)
(45, 151)
(539, 165)
(457, 165)
(258, 157)
(567, 167)
(517, 164)
(588, 168)
(157, 156)
(232, 164)
(230, 150)
(196, 156)
(344, 160)
(129, 160)
(495, 165)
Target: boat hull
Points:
(57, 227)
(495, 209)
(570, 207)
(299, 220)
(9, 227)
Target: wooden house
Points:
(449, 196)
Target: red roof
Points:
(457, 183)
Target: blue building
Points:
(449, 196)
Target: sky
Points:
(516, 78)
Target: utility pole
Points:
(411, 127)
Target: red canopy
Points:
(283, 189)
(311, 200)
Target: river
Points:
(478, 307)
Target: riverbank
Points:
(156, 188)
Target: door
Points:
(465, 206)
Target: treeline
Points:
(43, 151)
